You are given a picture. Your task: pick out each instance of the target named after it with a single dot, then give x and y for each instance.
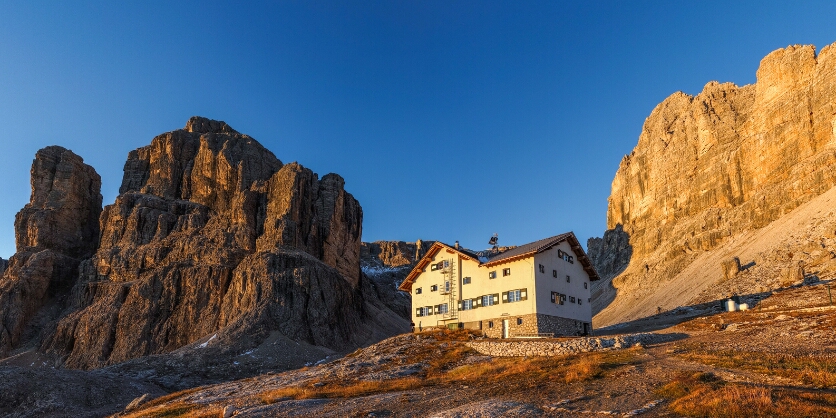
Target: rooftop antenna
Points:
(494, 239)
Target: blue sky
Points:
(449, 120)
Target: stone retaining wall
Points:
(518, 348)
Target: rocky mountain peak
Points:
(201, 125)
(210, 237)
(709, 167)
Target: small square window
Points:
(572, 299)
(542, 268)
(506, 272)
(433, 288)
(585, 285)
(492, 275)
(519, 321)
(554, 273)
(418, 291)
(568, 279)
(465, 280)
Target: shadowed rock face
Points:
(212, 235)
(53, 232)
(725, 161)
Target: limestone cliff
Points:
(709, 167)
(211, 238)
(53, 233)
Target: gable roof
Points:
(516, 253)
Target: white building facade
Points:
(539, 288)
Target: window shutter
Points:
(504, 297)
(496, 298)
(552, 297)
(418, 312)
(524, 294)
(476, 302)
(460, 305)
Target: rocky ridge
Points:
(54, 232)
(710, 167)
(213, 246)
(386, 264)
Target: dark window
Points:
(506, 272)
(433, 288)
(465, 280)
(585, 285)
(554, 273)
(580, 301)
(572, 299)
(492, 275)
(542, 268)
(490, 324)
(519, 321)
(568, 279)
(571, 260)
(418, 291)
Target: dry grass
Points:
(703, 395)
(817, 371)
(445, 369)
(180, 410)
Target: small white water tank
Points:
(731, 305)
(744, 306)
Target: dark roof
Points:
(535, 247)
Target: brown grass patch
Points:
(817, 371)
(347, 390)
(703, 395)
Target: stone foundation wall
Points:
(517, 348)
(528, 324)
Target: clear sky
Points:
(449, 120)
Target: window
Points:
(554, 273)
(519, 321)
(465, 280)
(418, 291)
(433, 288)
(571, 260)
(490, 324)
(580, 301)
(506, 272)
(424, 311)
(568, 279)
(585, 285)
(558, 298)
(492, 275)
(434, 267)
(514, 296)
(443, 308)
(572, 299)
(447, 286)
(589, 300)
(487, 300)
(542, 268)
(440, 265)
(467, 304)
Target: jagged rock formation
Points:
(386, 264)
(711, 166)
(53, 233)
(3, 265)
(211, 236)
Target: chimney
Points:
(457, 245)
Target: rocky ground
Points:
(777, 359)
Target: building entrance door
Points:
(506, 332)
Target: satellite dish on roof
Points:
(494, 239)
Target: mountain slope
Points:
(709, 170)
